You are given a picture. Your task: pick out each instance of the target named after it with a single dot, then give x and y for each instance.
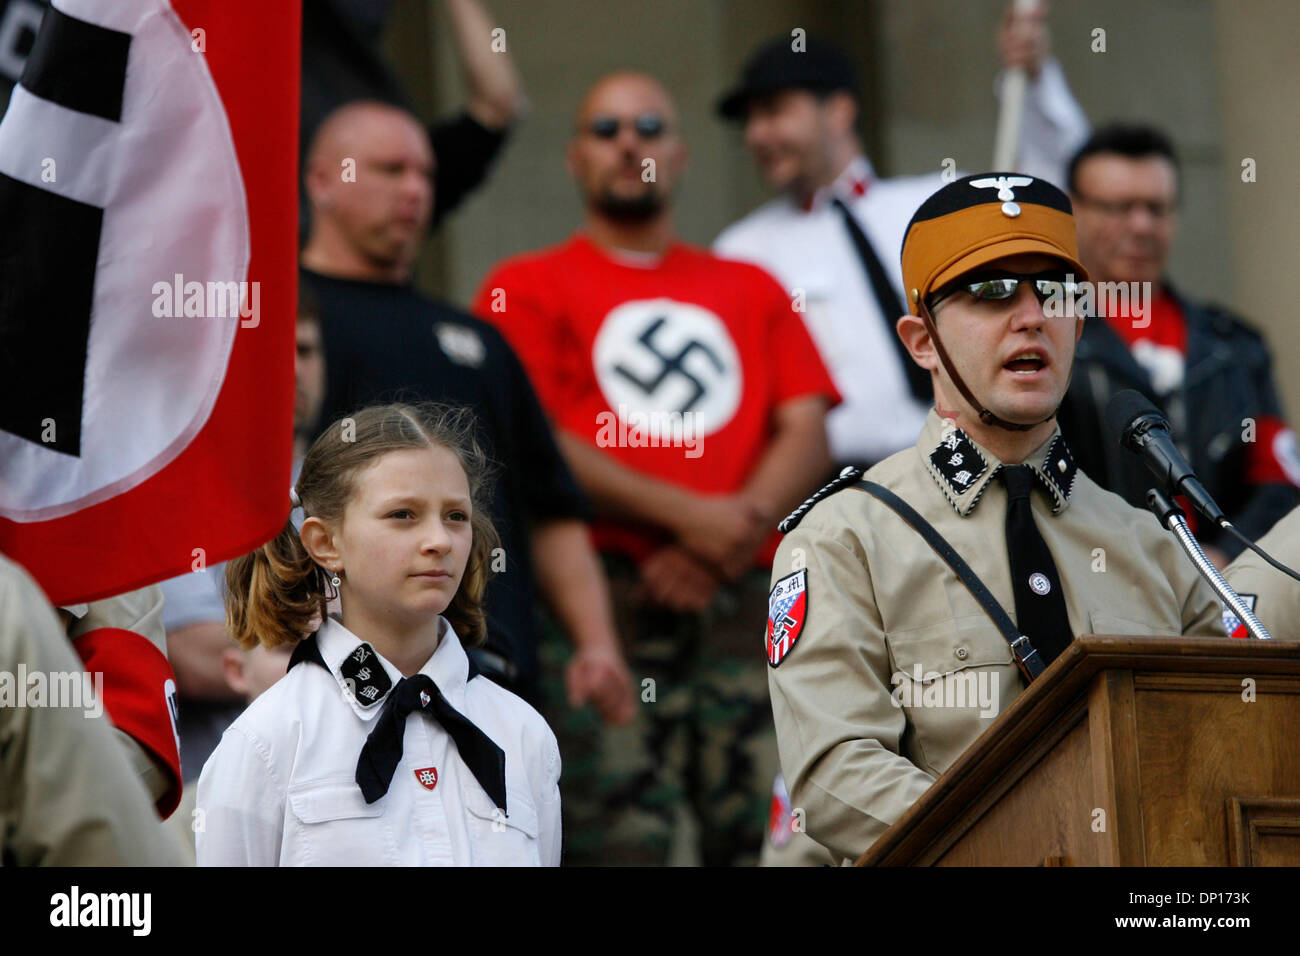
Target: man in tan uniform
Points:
(884, 667)
(1274, 597)
(67, 796)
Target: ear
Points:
(232, 667)
(919, 344)
(571, 156)
(320, 541)
(842, 110)
(316, 182)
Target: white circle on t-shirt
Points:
(660, 361)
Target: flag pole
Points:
(1007, 143)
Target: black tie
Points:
(891, 310)
(1040, 601)
(383, 748)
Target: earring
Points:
(335, 579)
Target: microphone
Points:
(1143, 430)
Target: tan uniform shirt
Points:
(897, 669)
(1275, 597)
(66, 795)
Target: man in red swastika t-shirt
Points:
(691, 405)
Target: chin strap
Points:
(985, 416)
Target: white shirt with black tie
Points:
(280, 788)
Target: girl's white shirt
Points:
(280, 789)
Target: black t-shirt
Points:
(386, 342)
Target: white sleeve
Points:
(239, 811)
(548, 802)
(1053, 127)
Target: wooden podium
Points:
(1127, 751)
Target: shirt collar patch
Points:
(1057, 471)
(342, 652)
(364, 676)
(960, 470)
(448, 667)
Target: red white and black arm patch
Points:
(787, 612)
(1234, 625)
(139, 697)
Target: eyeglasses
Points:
(647, 126)
(1123, 208)
(1003, 286)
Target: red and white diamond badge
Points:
(1234, 625)
(428, 777)
(787, 610)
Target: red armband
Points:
(139, 695)
(1273, 454)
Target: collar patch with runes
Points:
(958, 463)
(365, 676)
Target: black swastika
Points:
(671, 365)
(47, 267)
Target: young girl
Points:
(382, 745)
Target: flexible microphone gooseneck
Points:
(1143, 430)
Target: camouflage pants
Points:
(702, 739)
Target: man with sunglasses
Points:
(884, 666)
(1210, 372)
(690, 402)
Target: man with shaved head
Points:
(369, 179)
(690, 403)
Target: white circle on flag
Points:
(175, 237)
(660, 358)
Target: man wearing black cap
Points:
(830, 236)
(884, 666)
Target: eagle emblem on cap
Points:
(1004, 184)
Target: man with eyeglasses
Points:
(885, 665)
(1210, 372)
(690, 403)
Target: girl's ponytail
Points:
(276, 594)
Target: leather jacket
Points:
(1227, 378)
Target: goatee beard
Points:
(639, 209)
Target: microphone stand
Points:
(1173, 518)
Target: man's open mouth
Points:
(1026, 362)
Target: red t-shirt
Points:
(673, 365)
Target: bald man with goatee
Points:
(369, 178)
(690, 403)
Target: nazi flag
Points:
(148, 163)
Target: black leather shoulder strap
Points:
(1027, 659)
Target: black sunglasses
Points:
(647, 126)
(1003, 286)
